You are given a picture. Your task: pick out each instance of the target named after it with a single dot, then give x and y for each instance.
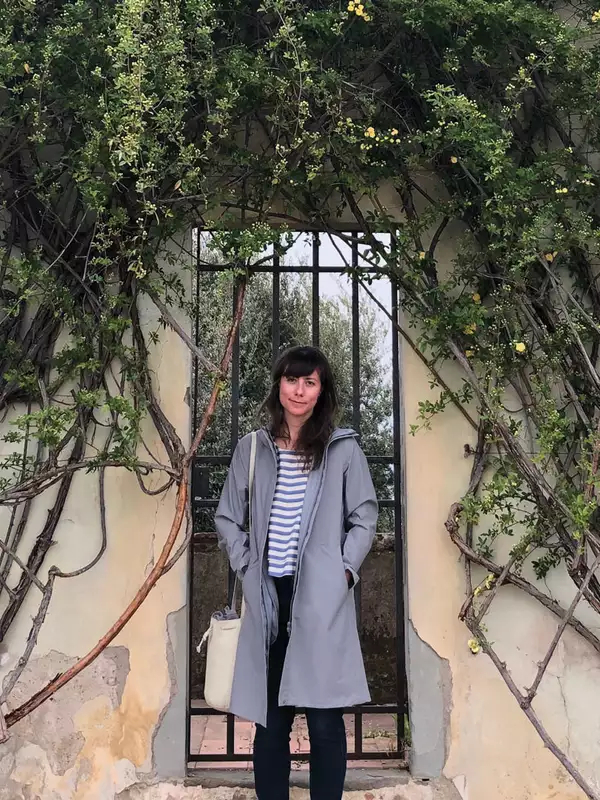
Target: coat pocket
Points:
(347, 586)
(342, 588)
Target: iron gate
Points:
(205, 500)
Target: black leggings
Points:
(327, 734)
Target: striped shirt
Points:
(286, 512)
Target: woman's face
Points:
(299, 396)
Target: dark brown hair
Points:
(299, 362)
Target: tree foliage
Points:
(216, 292)
(469, 122)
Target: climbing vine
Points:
(466, 132)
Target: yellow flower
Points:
(366, 18)
(351, 6)
(360, 8)
(470, 329)
(520, 347)
(27, 68)
(474, 646)
(551, 256)
(478, 590)
(596, 16)
(453, 160)
(422, 255)
(360, 12)
(370, 132)
(477, 298)
(394, 131)
(469, 353)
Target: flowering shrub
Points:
(124, 124)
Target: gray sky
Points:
(336, 253)
(333, 285)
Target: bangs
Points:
(295, 363)
(301, 365)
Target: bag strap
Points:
(250, 488)
(251, 477)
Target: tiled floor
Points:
(208, 735)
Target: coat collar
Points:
(338, 433)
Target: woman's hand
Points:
(349, 578)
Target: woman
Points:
(314, 515)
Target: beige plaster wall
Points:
(493, 752)
(94, 738)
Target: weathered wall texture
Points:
(95, 737)
(465, 723)
(119, 728)
(489, 749)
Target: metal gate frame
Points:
(199, 494)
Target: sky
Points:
(336, 253)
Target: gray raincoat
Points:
(323, 666)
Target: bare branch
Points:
(37, 623)
(456, 402)
(180, 511)
(452, 526)
(168, 435)
(183, 547)
(558, 635)
(184, 336)
(477, 631)
(14, 557)
(32, 487)
(103, 532)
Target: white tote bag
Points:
(223, 633)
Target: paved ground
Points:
(403, 789)
(208, 735)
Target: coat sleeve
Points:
(360, 504)
(232, 512)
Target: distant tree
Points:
(215, 303)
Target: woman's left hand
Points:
(349, 578)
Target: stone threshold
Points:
(235, 784)
(357, 779)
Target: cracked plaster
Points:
(94, 740)
(41, 757)
(168, 742)
(430, 700)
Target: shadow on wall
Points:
(377, 608)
